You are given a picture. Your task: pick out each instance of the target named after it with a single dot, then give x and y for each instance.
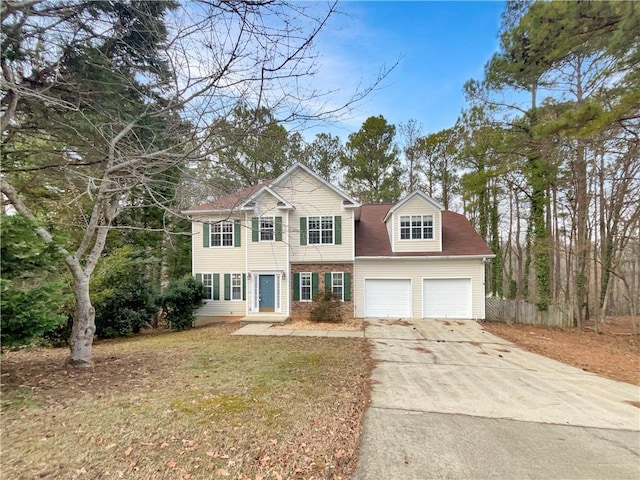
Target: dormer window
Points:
(416, 227)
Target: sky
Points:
(438, 46)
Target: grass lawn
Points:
(191, 405)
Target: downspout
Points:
(249, 300)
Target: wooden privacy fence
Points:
(519, 311)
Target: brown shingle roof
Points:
(458, 236)
(231, 201)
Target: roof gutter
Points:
(430, 257)
(196, 212)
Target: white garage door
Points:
(386, 298)
(447, 298)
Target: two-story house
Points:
(264, 252)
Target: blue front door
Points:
(267, 293)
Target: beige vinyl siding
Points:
(312, 198)
(417, 206)
(418, 269)
(221, 308)
(270, 255)
(217, 259)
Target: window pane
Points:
(320, 230)
(336, 284)
(266, 229)
(314, 237)
(236, 286)
(427, 221)
(208, 286)
(222, 234)
(305, 286)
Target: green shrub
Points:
(327, 308)
(28, 314)
(32, 287)
(59, 335)
(123, 293)
(180, 300)
(127, 310)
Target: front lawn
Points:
(189, 405)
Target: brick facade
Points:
(301, 310)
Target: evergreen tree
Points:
(371, 162)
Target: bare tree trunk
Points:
(520, 256)
(557, 281)
(84, 324)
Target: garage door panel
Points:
(447, 298)
(387, 298)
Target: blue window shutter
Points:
(199, 277)
(206, 237)
(227, 286)
(216, 286)
(244, 286)
(314, 285)
(236, 233)
(337, 226)
(303, 230)
(296, 287)
(278, 229)
(346, 288)
(327, 282)
(255, 229)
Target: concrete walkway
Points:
(450, 400)
(264, 329)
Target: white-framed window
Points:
(222, 234)
(267, 229)
(416, 227)
(236, 286)
(207, 281)
(305, 286)
(320, 230)
(337, 284)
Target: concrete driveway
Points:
(451, 400)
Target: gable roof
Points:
(459, 238)
(415, 193)
(282, 203)
(239, 199)
(230, 202)
(299, 166)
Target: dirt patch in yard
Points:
(188, 405)
(613, 353)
